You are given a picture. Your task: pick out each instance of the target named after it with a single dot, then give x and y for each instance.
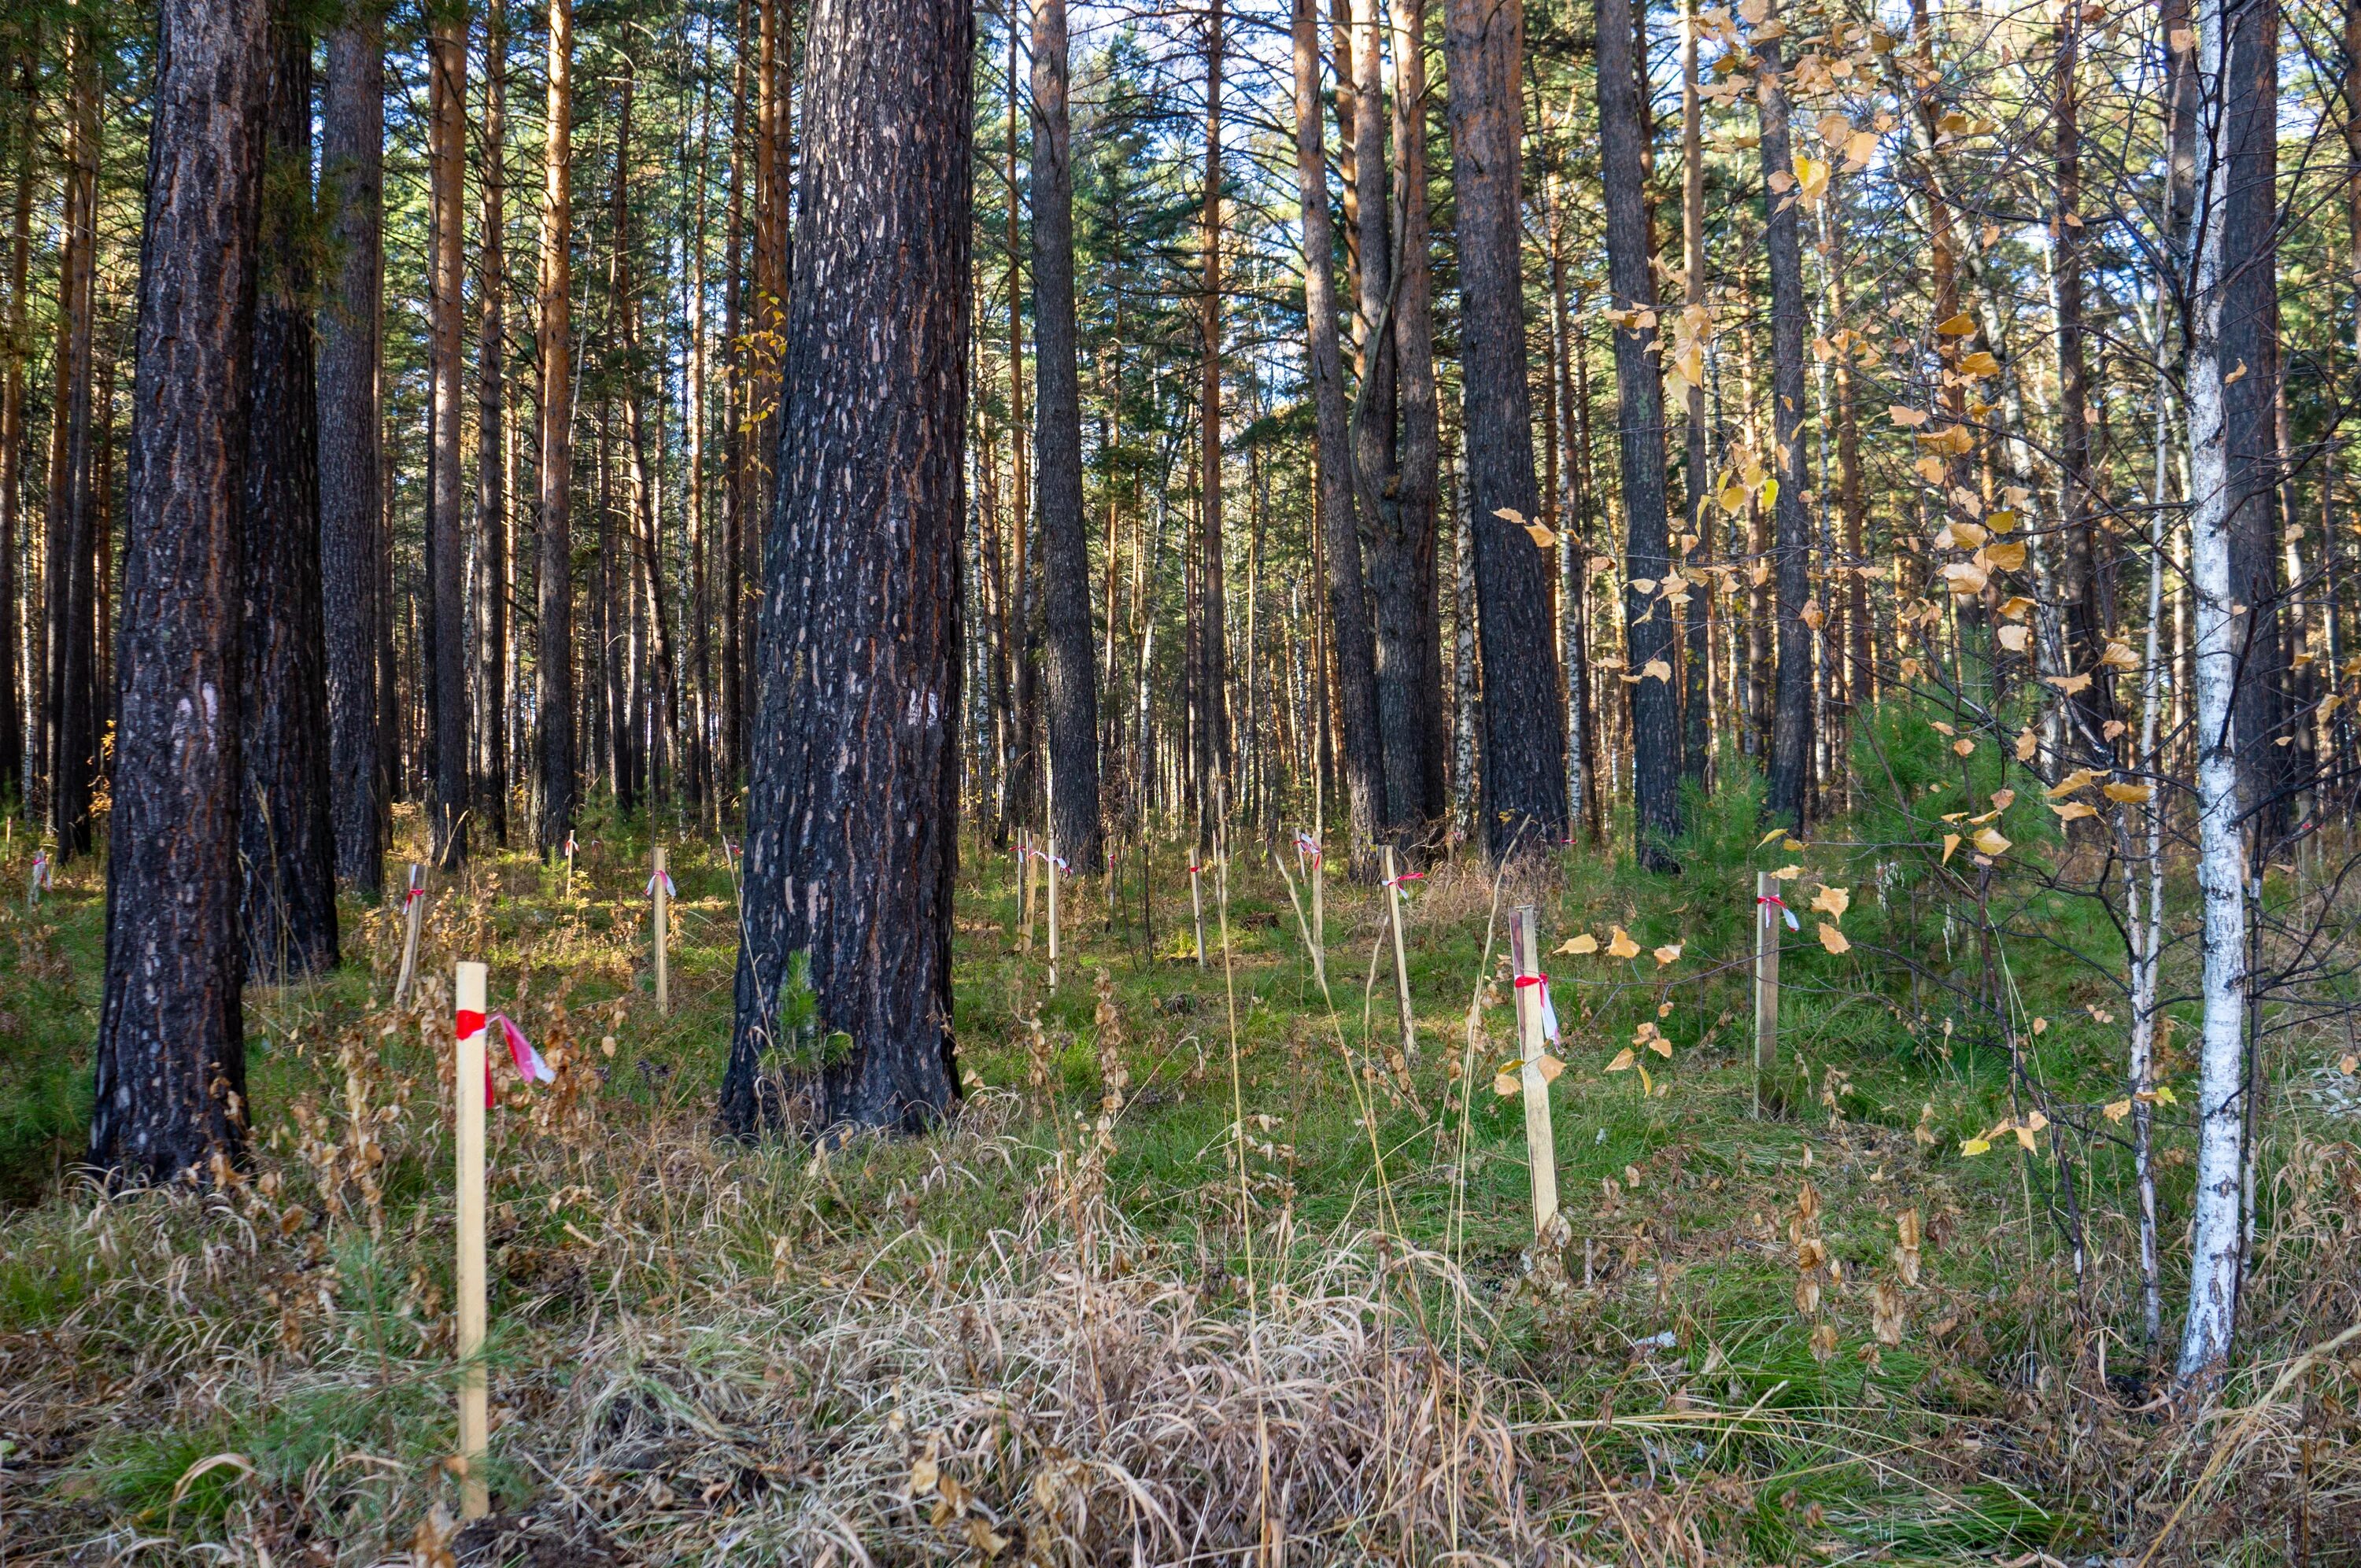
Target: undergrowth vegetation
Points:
(1206, 1267)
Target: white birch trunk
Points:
(2217, 1234)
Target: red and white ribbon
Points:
(41, 871)
(1308, 846)
(1781, 904)
(529, 1065)
(1549, 1014)
(1406, 876)
(470, 1023)
(569, 845)
(667, 884)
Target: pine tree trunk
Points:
(1213, 749)
(2086, 619)
(12, 435)
(553, 667)
(448, 165)
(1524, 735)
(737, 521)
(1650, 631)
(1422, 437)
(1057, 464)
(1696, 715)
(286, 835)
(1789, 799)
(72, 585)
(851, 841)
(1355, 658)
(491, 793)
(2223, 250)
(171, 1056)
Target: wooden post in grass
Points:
(475, 1424)
(1401, 961)
(569, 865)
(1050, 876)
(1319, 915)
(1025, 883)
(413, 907)
(1197, 910)
(1766, 979)
(660, 889)
(1533, 1038)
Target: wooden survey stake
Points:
(569, 865)
(660, 890)
(413, 907)
(1768, 908)
(471, 1089)
(1025, 884)
(1049, 873)
(1197, 909)
(1533, 1036)
(1401, 962)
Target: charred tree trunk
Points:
(1696, 717)
(1524, 730)
(171, 1052)
(72, 632)
(1364, 781)
(12, 438)
(1212, 635)
(1420, 451)
(1650, 632)
(491, 793)
(1791, 730)
(286, 836)
(1057, 460)
(553, 669)
(851, 841)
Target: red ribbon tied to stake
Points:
(529, 1063)
(1406, 876)
(1549, 1014)
(1308, 846)
(1781, 904)
(667, 885)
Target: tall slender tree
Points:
(172, 1038)
(1213, 636)
(1364, 783)
(12, 426)
(853, 829)
(352, 560)
(1057, 460)
(286, 836)
(553, 666)
(1524, 729)
(1648, 621)
(1697, 717)
(70, 562)
(491, 629)
(1791, 730)
(448, 548)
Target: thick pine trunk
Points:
(2086, 617)
(72, 585)
(1524, 731)
(286, 834)
(1649, 630)
(853, 829)
(553, 667)
(1212, 634)
(1058, 462)
(12, 439)
(448, 166)
(1421, 435)
(491, 793)
(1791, 728)
(171, 1056)
(1364, 781)
(1696, 716)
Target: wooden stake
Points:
(413, 906)
(660, 885)
(1197, 909)
(1541, 1144)
(1319, 915)
(1401, 961)
(569, 865)
(1050, 875)
(1766, 980)
(475, 1421)
(1025, 872)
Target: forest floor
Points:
(1198, 1273)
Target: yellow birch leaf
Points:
(1623, 1061)
(2129, 795)
(2117, 1110)
(1832, 901)
(1971, 1148)
(2074, 810)
(1549, 1066)
(2015, 638)
(1583, 943)
(1950, 842)
(1833, 939)
(1504, 1085)
(1667, 954)
(1623, 947)
(1656, 670)
(1909, 419)
(1964, 747)
(1960, 326)
(1661, 1046)
(1509, 514)
(2007, 555)
(1990, 842)
(1541, 537)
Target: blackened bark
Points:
(2086, 619)
(1058, 459)
(2249, 354)
(170, 1056)
(72, 587)
(1650, 631)
(553, 666)
(1421, 452)
(1365, 782)
(1697, 717)
(851, 837)
(447, 166)
(12, 437)
(1212, 634)
(352, 174)
(1524, 731)
(285, 834)
(1791, 727)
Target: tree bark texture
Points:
(286, 835)
(1524, 732)
(553, 666)
(1364, 783)
(1213, 634)
(491, 759)
(1058, 459)
(851, 841)
(1650, 631)
(72, 585)
(1420, 451)
(170, 1056)
(447, 166)
(12, 434)
(1789, 799)
(352, 175)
